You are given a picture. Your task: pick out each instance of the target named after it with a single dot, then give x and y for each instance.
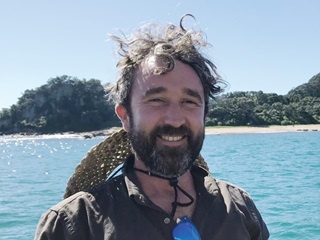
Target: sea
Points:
(281, 172)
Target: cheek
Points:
(145, 118)
(197, 115)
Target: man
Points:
(161, 98)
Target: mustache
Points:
(169, 130)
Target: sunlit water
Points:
(281, 171)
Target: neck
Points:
(162, 193)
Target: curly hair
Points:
(167, 44)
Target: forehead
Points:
(180, 78)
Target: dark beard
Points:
(166, 161)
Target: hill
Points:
(301, 105)
(63, 104)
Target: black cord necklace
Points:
(174, 183)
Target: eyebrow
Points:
(188, 91)
(152, 91)
(193, 93)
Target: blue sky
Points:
(271, 45)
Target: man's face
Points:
(166, 119)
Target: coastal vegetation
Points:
(69, 104)
(64, 104)
(301, 105)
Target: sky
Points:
(272, 46)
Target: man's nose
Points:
(174, 115)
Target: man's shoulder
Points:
(230, 186)
(214, 185)
(239, 197)
(237, 194)
(244, 203)
(74, 214)
(91, 197)
(62, 204)
(228, 191)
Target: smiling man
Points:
(167, 125)
(161, 98)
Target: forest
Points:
(69, 104)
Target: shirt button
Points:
(166, 220)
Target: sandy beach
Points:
(262, 129)
(242, 129)
(252, 129)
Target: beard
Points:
(166, 161)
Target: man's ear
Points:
(122, 114)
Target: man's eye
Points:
(156, 100)
(190, 103)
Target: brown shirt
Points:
(118, 209)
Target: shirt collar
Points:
(202, 179)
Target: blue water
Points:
(281, 171)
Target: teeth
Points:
(172, 139)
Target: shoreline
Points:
(262, 129)
(218, 130)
